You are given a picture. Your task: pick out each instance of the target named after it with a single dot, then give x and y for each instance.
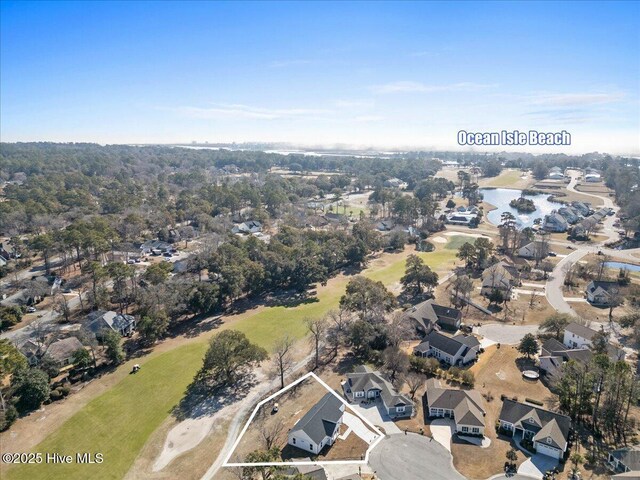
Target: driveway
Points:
(403, 457)
(505, 334)
(536, 465)
(442, 429)
(373, 413)
(358, 427)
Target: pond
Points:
(500, 198)
(618, 265)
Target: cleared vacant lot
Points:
(119, 422)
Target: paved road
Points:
(412, 456)
(504, 333)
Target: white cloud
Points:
(248, 112)
(418, 87)
(575, 99)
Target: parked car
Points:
(553, 254)
(31, 309)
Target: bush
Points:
(55, 395)
(10, 416)
(534, 402)
(468, 378)
(65, 390)
(454, 372)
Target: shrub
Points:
(468, 378)
(454, 372)
(65, 390)
(534, 402)
(55, 395)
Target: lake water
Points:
(629, 266)
(500, 198)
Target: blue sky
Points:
(389, 75)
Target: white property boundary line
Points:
(226, 463)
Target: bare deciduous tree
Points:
(283, 359)
(317, 328)
(414, 382)
(270, 433)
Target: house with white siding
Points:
(457, 350)
(465, 407)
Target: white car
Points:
(31, 310)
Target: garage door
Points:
(547, 450)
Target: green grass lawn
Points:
(456, 241)
(119, 422)
(506, 179)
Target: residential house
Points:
(427, 315)
(548, 431)
(32, 351)
(465, 407)
(395, 183)
(534, 250)
(555, 173)
(457, 350)
(365, 384)
(582, 208)
(502, 276)
(6, 252)
(155, 247)
(460, 218)
(554, 355)
(602, 292)
(62, 351)
(385, 225)
(625, 460)
(555, 222)
(570, 215)
(578, 336)
(3, 261)
(592, 177)
(320, 426)
(310, 472)
(121, 323)
(247, 228)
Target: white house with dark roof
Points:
(365, 384)
(319, 427)
(465, 407)
(600, 292)
(458, 350)
(548, 431)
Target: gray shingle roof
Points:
(63, 349)
(427, 313)
(580, 330)
(322, 419)
(364, 379)
(520, 414)
(466, 404)
(630, 456)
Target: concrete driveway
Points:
(505, 334)
(536, 465)
(375, 415)
(442, 429)
(412, 456)
(358, 427)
